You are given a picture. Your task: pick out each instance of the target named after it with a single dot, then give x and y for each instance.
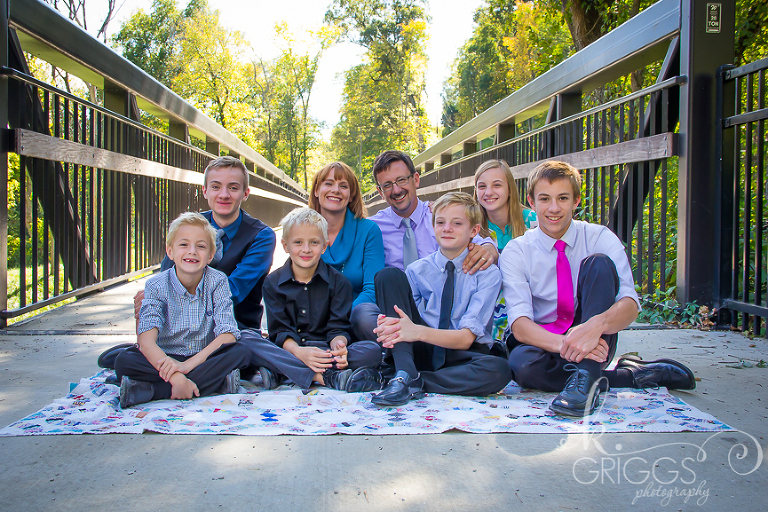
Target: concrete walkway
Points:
(445, 472)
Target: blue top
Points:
(358, 253)
(503, 236)
(474, 296)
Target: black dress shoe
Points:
(400, 390)
(134, 392)
(107, 358)
(580, 395)
(336, 379)
(661, 372)
(363, 380)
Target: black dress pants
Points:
(209, 376)
(263, 352)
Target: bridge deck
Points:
(457, 471)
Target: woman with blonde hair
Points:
(504, 218)
(356, 248)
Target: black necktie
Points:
(446, 306)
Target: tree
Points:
(512, 43)
(152, 40)
(383, 101)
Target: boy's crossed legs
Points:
(597, 286)
(465, 372)
(264, 353)
(210, 376)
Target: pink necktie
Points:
(564, 293)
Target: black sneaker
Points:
(269, 379)
(134, 392)
(231, 384)
(580, 395)
(336, 379)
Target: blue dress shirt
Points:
(474, 295)
(255, 263)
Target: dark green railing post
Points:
(706, 43)
(4, 146)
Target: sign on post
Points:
(713, 18)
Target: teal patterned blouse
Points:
(503, 236)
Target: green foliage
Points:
(751, 31)
(152, 40)
(264, 103)
(383, 105)
(513, 43)
(661, 307)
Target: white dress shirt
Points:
(528, 273)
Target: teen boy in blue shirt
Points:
(308, 309)
(446, 348)
(187, 334)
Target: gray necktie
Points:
(410, 253)
(219, 247)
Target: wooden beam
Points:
(38, 145)
(638, 150)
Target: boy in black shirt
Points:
(308, 305)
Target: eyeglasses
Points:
(401, 182)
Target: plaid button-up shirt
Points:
(186, 323)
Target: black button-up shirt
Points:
(313, 311)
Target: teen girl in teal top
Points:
(504, 218)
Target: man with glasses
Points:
(406, 225)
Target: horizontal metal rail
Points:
(21, 77)
(94, 193)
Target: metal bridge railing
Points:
(623, 149)
(95, 192)
(744, 211)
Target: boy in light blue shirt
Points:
(187, 333)
(446, 348)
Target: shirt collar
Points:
(569, 237)
(230, 230)
(180, 289)
(441, 260)
(416, 217)
(285, 273)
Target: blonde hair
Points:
(554, 170)
(191, 219)
(305, 215)
(471, 209)
(341, 172)
(514, 207)
(222, 163)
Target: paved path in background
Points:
(443, 472)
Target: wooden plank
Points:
(38, 145)
(638, 150)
